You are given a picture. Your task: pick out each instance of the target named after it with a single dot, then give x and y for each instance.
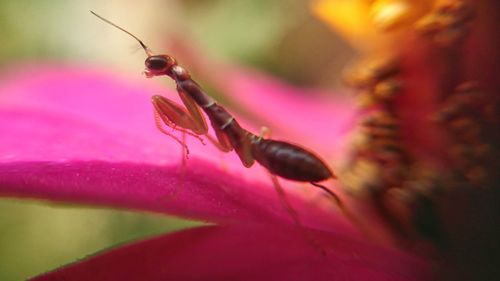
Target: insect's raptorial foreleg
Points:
(188, 121)
(182, 181)
(158, 123)
(185, 151)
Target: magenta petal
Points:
(206, 193)
(245, 252)
(315, 118)
(78, 135)
(60, 112)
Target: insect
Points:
(281, 159)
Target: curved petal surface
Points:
(80, 135)
(245, 252)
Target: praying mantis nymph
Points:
(280, 158)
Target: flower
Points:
(80, 135)
(427, 156)
(422, 168)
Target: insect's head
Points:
(158, 65)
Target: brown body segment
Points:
(290, 161)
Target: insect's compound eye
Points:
(157, 63)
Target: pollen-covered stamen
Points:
(381, 128)
(361, 177)
(379, 161)
(365, 74)
(447, 25)
(379, 148)
(387, 89)
(384, 145)
(391, 14)
(378, 84)
(465, 116)
(375, 80)
(387, 14)
(456, 206)
(397, 141)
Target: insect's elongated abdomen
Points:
(290, 161)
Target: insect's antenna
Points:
(146, 49)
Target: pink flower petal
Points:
(121, 105)
(245, 252)
(315, 118)
(207, 193)
(84, 136)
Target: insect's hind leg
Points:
(342, 207)
(295, 216)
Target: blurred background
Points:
(280, 37)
